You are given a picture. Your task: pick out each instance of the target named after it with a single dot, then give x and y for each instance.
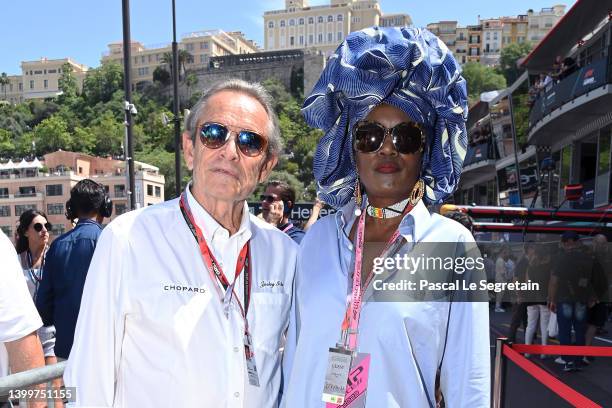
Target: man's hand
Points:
(275, 214)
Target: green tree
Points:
(84, 140)
(52, 134)
(191, 80)
(7, 145)
(510, 56)
(184, 57)
(481, 79)
(4, 81)
(109, 135)
(161, 75)
(165, 161)
(67, 83)
(101, 83)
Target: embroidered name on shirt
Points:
(271, 284)
(179, 288)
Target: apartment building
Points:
(45, 185)
(454, 36)
(541, 22)
(474, 42)
(322, 28)
(491, 40)
(201, 45)
(40, 79)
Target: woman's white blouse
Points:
(394, 333)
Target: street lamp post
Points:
(129, 108)
(177, 118)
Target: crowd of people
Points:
(562, 68)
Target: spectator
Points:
(538, 272)
(598, 313)
(519, 311)
(571, 292)
(32, 240)
(501, 276)
(277, 201)
(20, 348)
(59, 295)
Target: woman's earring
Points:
(358, 198)
(417, 192)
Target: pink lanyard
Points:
(287, 228)
(353, 311)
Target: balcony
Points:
(569, 105)
(21, 197)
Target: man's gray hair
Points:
(253, 89)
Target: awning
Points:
(579, 21)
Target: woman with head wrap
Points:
(393, 106)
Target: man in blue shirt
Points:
(276, 204)
(59, 296)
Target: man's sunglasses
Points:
(368, 137)
(215, 135)
(267, 198)
(38, 226)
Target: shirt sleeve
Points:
(44, 296)
(94, 358)
(292, 335)
(18, 316)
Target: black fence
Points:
(585, 79)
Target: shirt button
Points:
(236, 394)
(350, 247)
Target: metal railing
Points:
(31, 377)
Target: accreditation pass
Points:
(338, 366)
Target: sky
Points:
(82, 30)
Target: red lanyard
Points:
(243, 262)
(353, 311)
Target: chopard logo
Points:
(271, 284)
(181, 288)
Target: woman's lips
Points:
(387, 168)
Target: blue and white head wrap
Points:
(408, 68)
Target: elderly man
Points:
(183, 305)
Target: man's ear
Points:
(188, 150)
(267, 168)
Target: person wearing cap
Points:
(393, 106)
(183, 305)
(572, 290)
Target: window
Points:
(4, 192)
(320, 19)
(488, 35)
(292, 22)
(54, 190)
(495, 35)
(21, 208)
(157, 191)
(142, 59)
(301, 21)
(120, 208)
(57, 229)
(37, 72)
(330, 19)
(202, 58)
(119, 190)
(21, 86)
(5, 210)
(55, 209)
(310, 20)
(330, 37)
(52, 71)
(31, 84)
(339, 36)
(270, 25)
(149, 189)
(310, 39)
(301, 40)
(339, 17)
(320, 38)
(27, 191)
(291, 40)
(282, 23)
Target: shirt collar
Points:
(210, 227)
(83, 221)
(413, 226)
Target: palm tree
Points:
(4, 81)
(184, 57)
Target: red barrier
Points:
(564, 350)
(554, 384)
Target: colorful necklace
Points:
(391, 211)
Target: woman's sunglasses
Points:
(215, 135)
(38, 226)
(368, 137)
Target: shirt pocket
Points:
(270, 318)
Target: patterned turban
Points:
(408, 68)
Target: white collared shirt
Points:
(406, 340)
(152, 329)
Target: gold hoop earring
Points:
(358, 198)
(417, 192)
